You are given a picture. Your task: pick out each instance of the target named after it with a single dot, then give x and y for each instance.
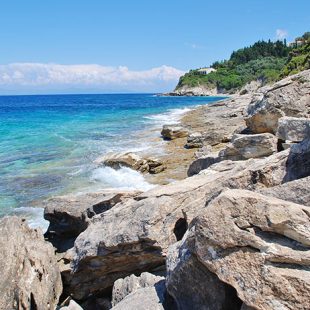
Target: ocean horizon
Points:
(48, 143)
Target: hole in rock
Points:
(33, 304)
(180, 228)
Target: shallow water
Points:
(48, 143)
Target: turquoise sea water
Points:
(48, 143)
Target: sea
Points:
(48, 144)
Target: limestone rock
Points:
(250, 146)
(149, 298)
(70, 304)
(293, 128)
(258, 245)
(298, 162)
(30, 277)
(69, 215)
(171, 132)
(134, 236)
(288, 97)
(194, 91)
(297, 191)
(194, 140)
(202, 163)
(129, 285)
(242, 147)
(131, 160)
(192, 286)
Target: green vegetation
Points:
(299, 58)
(265, 61)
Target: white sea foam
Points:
(34, 217)
(172, 116)
(123, 178)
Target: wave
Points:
(34, 217)
(123, 178)
(172, 116)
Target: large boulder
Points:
(171, 132)
(69, 215)
(134, 236)
(293, 128)
(250, 146)
(288, 97)
(256, 244)
(30, 277)
(202, 163)
(132, 283)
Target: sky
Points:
(105, 46)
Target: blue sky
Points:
(148, 44)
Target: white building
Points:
(206, 71)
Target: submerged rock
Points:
(30, 277)
(256, 244)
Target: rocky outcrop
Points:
(201, 90)
(134, 236)
(70, 215)
(288, 97)
(258, 245)
(171, 132)
(129, 285)
(131, 160)
(30, 277)
(293, 129)
(243, 147)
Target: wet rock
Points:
(131, 160)
(30, 277)
(258, 245)
(171, 132)
(288, 97)
(293, 129)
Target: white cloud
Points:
(39, 76)
(281, 34)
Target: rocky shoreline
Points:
(231, 232)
